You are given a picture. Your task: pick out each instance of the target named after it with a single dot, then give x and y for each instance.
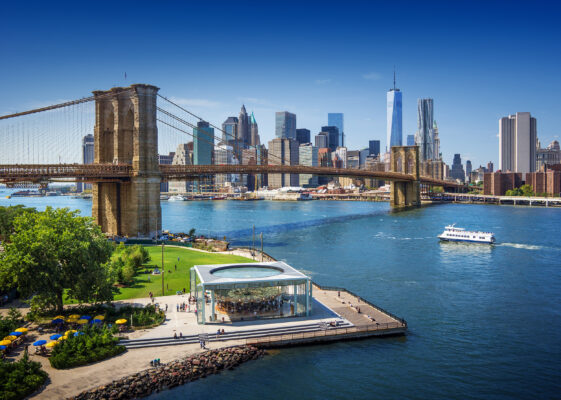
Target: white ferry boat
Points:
(177, 198)
(454, 234)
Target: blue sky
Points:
(478, 60)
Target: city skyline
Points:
(468, 78)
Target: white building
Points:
(517, 143)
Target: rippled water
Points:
(484, 321)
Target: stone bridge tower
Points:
(405, 159)
(126, 133)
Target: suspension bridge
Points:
(131, 126)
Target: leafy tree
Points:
(7, 216)
(191, 232)
(53, 251)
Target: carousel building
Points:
(239, 292)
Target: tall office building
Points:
(394, 121)
(322, 140)
(244, 135)
(468, 170)
(374, 147)
(353, 159)
(490, 166)
(341, 153)
(203, 146)
(224, 155)
(165, 159)
(425, 135)
(332, 136)
(517, 143)
(364, 153)
(410, 140)
(308, 156)
(303, 136)
(285, 125)
(230, 130)
(283, 152)
(254, 131)
(436, 142)
(183, 156)
(337, 119)
(87, 158)
(457, 171)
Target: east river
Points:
(484, 322)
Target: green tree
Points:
(526, 190)
(7, 216)
(191, 232)
(53, 251)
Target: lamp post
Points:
(163, 269)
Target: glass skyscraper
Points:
(425, 133)
(336, 119)
(394, 124)
(285, 125)
(374, 148)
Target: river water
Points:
(484, 322)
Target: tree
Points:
(7, 216)
(53, 251)
(191, 232)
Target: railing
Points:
(397, 328)
(338, 289)
(266, 257)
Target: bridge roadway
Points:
(123, 172)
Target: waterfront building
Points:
(332, 136)
(497, 183)
(353, 159)
(183, 156)
(322, 140)
(337, 119)
(308, 156)
(546, 182)
(283, 152)
(87, 158)
(393, 116)
(551, 155)
(277, 291)
(341, 161)
(374, 148)
(324, 160)
(517, 143)
(410, 140)
(457, 171)
(303, 136)
(165, 159)
(468, 170)
(285, 125)
(425, 135)
(230, 131)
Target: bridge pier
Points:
(126, 133)
(405, 159)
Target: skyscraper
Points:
(457, 171)
(332, 136)
(183, 156)
(87, 158)
(394, 121)
(337, 119)
(425, 134)
(283, 152)
(517, 143)
(244, 135)
(410, 140)
(254, 131)
(203, 143)
(374, 148)
(303, 136)
(308, 155)
(229, 130)
(436, 142)
(285, 125)
(468, 170)
(165, 159)
(322, 140)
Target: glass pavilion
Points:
(238, 292)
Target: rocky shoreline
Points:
(173, 374)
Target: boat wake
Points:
(521, 246)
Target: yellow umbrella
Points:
(74, 316)
(51, 344)
(69, 332)
(100, 317)
(72, 320)
(10, 337)
(121, 321)
(62, 338)
(22, 330)
(83, 321)
(59, 317)
(5, 342)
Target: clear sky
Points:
(478, 60)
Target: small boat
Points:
(164, 197)
(177, 197)
(454, 234)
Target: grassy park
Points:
(183, 258)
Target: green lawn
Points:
(174, 280)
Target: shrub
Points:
(96, 344)
(9, 323)
(20, 378)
